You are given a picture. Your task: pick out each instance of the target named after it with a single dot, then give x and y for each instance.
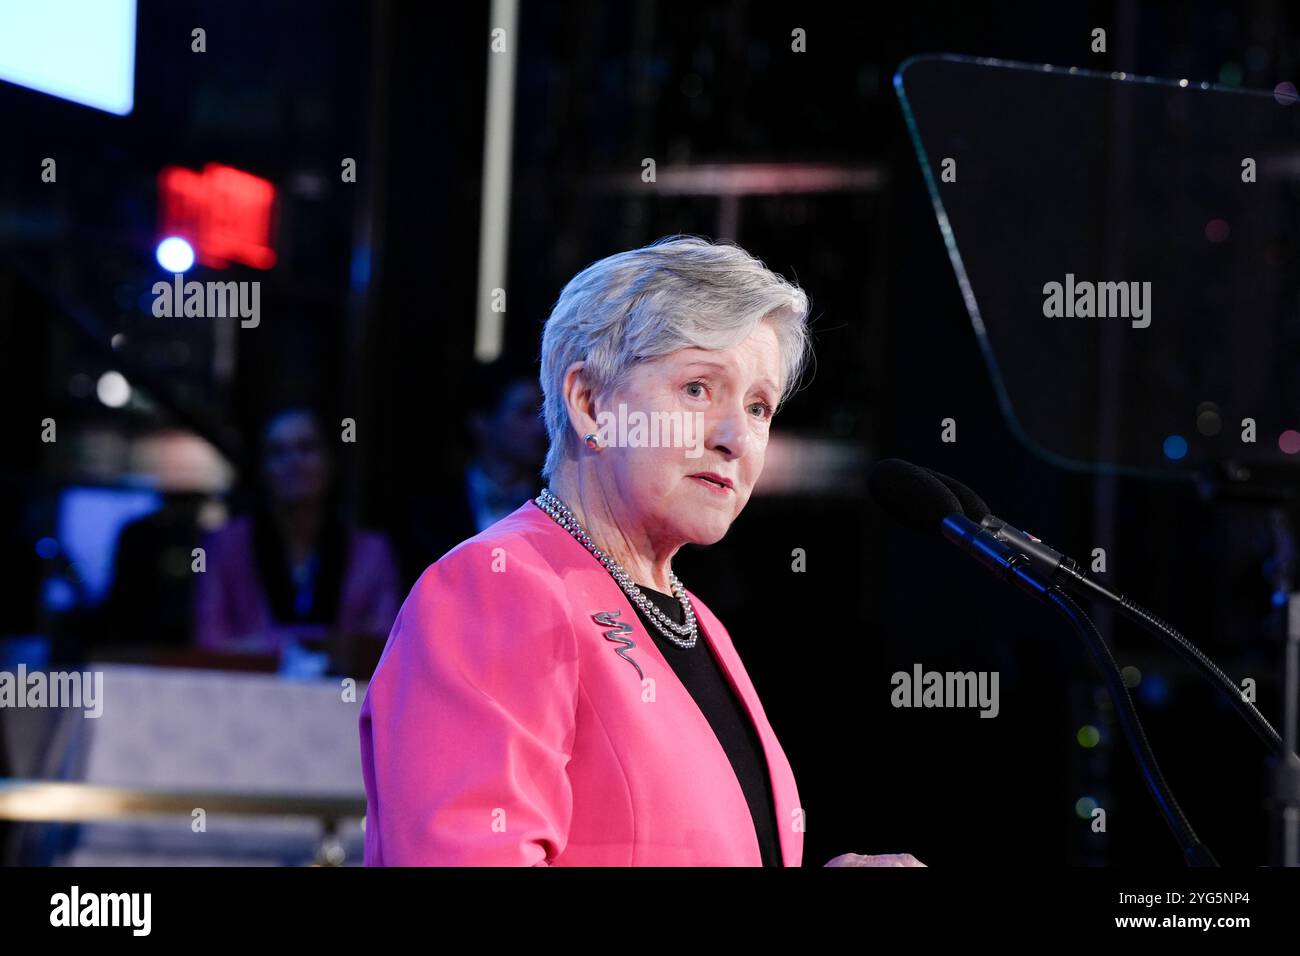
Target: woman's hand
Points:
(880, 859)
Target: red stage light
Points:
(223, 212)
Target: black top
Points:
(705, 680)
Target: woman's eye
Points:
(764, 409)
(697, 385)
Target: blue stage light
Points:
(175, 254)
(1155, 690)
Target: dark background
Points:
(370, 313)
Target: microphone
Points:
(923, 502)
(912, 495)
(928, 501)
(1055, 567)
(1063, 572)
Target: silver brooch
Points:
(620, 628)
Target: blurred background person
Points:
(291, 573)
(507, 443)
(152, 590)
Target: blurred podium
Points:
(172, 729)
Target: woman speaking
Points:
(551, 693)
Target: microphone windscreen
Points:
(911, 495)
(972, 505)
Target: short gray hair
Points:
(678, 292)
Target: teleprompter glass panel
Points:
(1129, 251)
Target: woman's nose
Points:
(729, 434)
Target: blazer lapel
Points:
(598, 581)
(784, 795)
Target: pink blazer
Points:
(502, 727)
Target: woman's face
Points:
(294, 459)
(719, 407)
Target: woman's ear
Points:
(580, 400)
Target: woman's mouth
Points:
(716, 482)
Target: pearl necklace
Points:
(677, 633)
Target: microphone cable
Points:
(1195, 852)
